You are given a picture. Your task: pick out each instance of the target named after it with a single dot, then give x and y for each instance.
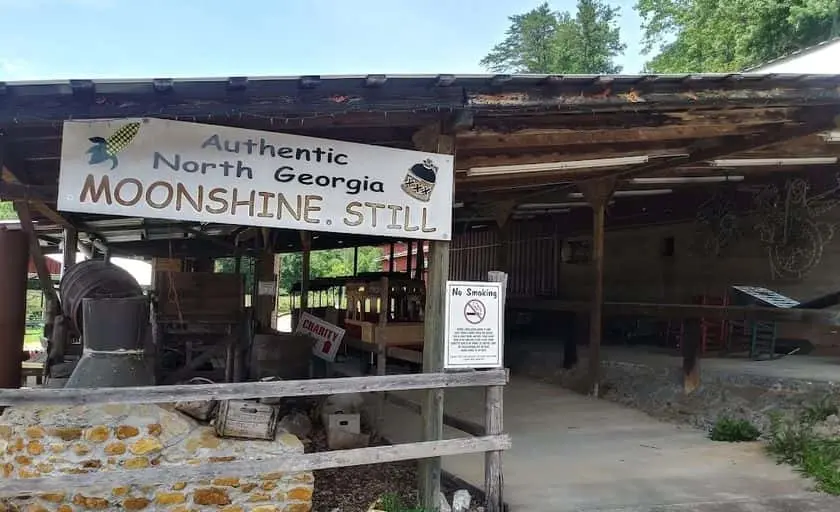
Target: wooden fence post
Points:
(493, 424)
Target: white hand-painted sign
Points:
(164, 169)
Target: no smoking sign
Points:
(474, 325)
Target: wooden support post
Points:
(265, 304)
(408, 254)
(44, 277)
(306, 245)
(432, 415)
(391, 258)
(431, 139)
(421, 259)
(384, 300)
(597, 193)
(381, 348)
(691, 354)
(493, 424)
(71, 242)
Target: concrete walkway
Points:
(573, 453)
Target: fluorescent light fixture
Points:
(668, 180)
(773, 162)
(832, 136)
(549, 206)
(557, 166)
(630, 193)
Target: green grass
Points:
(734, 431)
(390, 502)
(795, 442)
(32, 338)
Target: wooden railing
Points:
(493, 442)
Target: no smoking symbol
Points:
(474, 311)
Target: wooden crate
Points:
(201, 296)
(394, 334)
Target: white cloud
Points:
(14, 69)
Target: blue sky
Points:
(59, 39)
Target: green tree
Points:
(7, 211)
(692, 36)
(544, 41)
(328, 263)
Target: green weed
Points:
(734, 431)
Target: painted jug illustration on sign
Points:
(419, 182)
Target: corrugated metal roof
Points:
(794, 55)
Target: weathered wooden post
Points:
(493, 425)
(431, 139)
(14, 260)
(597, 193)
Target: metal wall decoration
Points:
(790, 226)
(716, 225)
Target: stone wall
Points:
(44, 441)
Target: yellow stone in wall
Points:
(298, 507)
(35, 432)
(81, 449)
(28, 473)
(5, 432)
(306, 478)
(170, 498)
(7, 470)
(269, 485)
(23, 460)
(135, 503)
(271, 476)
(53, 497)
(44, 467)
(127, 431)
(226, 482)
(145, 446)
(154, 429)
(66, 433)
(233, 508)
(34, 448)
(259, 496)
(265, 508)
(64, 508)
(211, 496)
(248, 487)
(17, 446)
(115, 448)
(98, 434)
(300, 494)
(120, 491)
(90, 502)
(58, 447)
(179, 486)
(137, 463)
(91, 464)
(36, 508)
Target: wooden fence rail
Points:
(243, 390)
(492, 445)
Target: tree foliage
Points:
(545, 41)
(7, 211)
(329, 263)
(691, 36)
